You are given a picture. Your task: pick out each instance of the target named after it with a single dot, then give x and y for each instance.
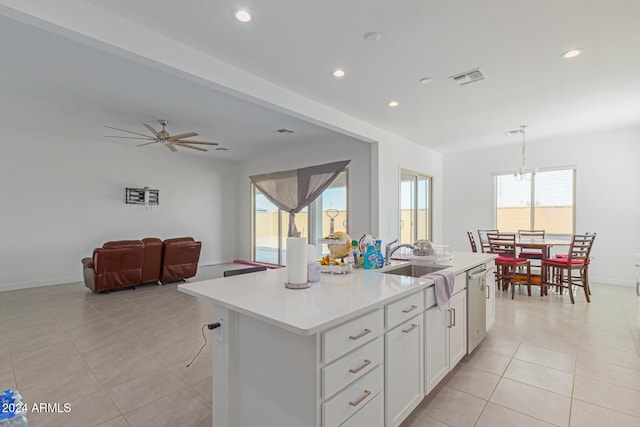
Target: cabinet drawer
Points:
(356, 364)
(461, 283)
(371, 415)
(430, 292)
(353, 334)
(404, 309)
(353, 398)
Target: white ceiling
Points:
(295, 44)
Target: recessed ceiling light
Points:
(242, 15)
(372, 37)
(571, 53)
(392, 104)
(426, 80)
(338, 73)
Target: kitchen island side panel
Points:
(278, 381)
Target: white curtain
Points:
(293, 190)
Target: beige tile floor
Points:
(547, 362)
(119, 360)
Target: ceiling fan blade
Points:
(146, 143)
(183, 135)
(171, 147)
(200, 142)
(182, 144)
(152, 130)
(128, 131)
(131, 137)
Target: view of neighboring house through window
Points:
(541, 201)
(270, 224)
(415, 206)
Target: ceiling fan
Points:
(163, 137)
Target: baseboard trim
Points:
(38, 283)
(609, 281)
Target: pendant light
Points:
(522, 173)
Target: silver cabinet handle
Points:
(361, 367)
(410, 309)
(360, 335)
(410, 328)
(488, 292)
(450, 318)
(361, 398)
(638, 288)
(453, 312)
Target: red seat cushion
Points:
(564, 262)
(509, 260)
(562, 255)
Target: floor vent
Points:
(468, 77)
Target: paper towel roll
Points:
(297, 260)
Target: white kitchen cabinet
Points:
(436, 346)
(404, 366)
(491, 295)
(457, 328)
(445, 333)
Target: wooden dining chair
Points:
(572, 271)
(482, 238)
(472, 241)
(510, 268)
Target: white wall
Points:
(607, 199)
(393, 155)
(62, 197)
(359, 181)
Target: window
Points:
(269, 236)
(415, 206)
(542, 201)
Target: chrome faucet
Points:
(388, 251)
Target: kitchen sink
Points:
(415, 270)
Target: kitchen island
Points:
(329, 355)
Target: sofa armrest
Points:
(87, 262)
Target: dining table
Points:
(543, 243)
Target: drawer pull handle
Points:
(366, 394)
(410, 328)
(410, 309)
(450, 318)
(453, 310)
(361, 367)
(488, 291)
(360, 335)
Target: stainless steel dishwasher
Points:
(476, 306)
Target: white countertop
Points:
(333, 300)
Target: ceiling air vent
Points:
(468, 77)
(284, 131)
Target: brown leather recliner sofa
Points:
(115, 265)
(127, 263)
(179, 258)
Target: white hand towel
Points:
(444, 282)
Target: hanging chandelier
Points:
(522, 172)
